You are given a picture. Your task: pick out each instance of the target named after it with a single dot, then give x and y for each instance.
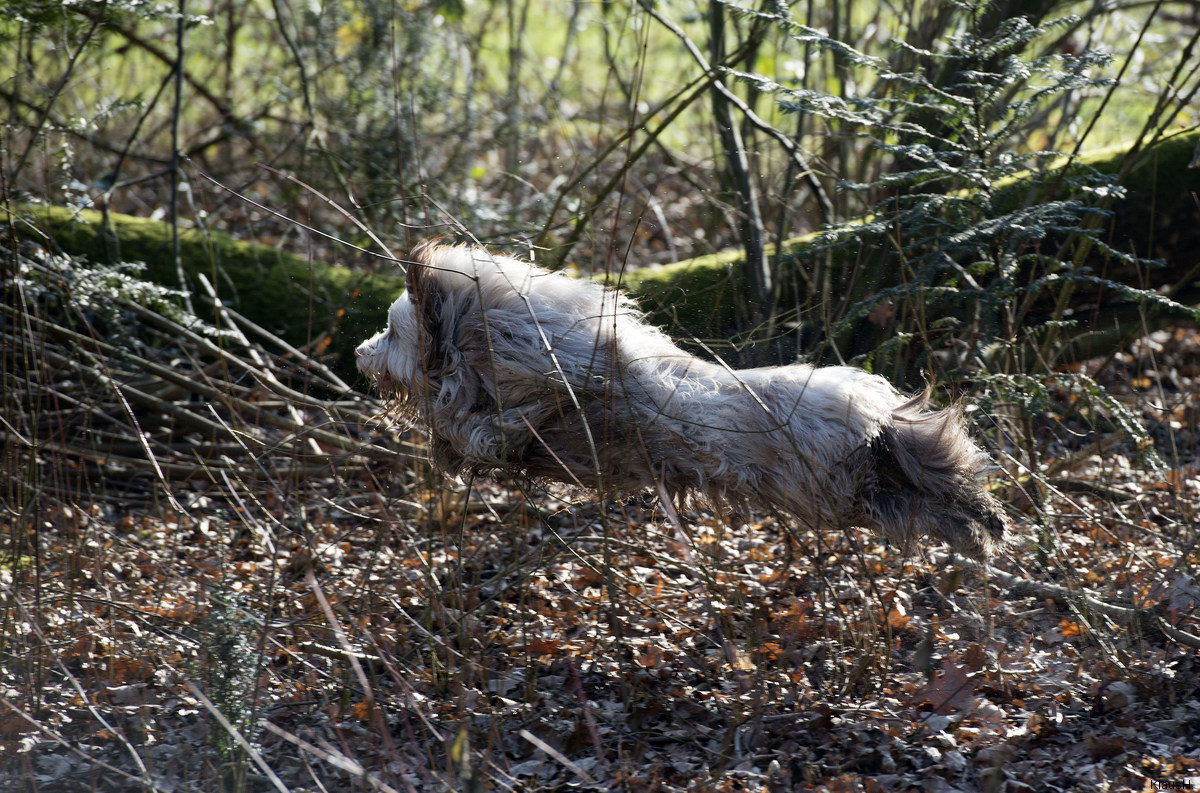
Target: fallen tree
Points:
(327, 309)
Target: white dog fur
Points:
(512, 367)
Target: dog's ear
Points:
(427, 292)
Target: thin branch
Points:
(1018, 586)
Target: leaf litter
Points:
(306, 611)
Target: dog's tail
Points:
(927, 482)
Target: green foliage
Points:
(98, 294)
(948, 239)
(972, 244)
(38, 16)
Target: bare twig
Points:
(1146, 618)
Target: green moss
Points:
(692, 296)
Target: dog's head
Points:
(505, 363)
(398, 359)
(389, 359)
(466, 335)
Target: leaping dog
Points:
(513, 367)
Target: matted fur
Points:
(513, 367)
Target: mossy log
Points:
(312, 305)
(332, 308)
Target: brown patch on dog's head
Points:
(428, 296)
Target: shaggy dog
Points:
(512, 367)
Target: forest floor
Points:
(388, 630)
